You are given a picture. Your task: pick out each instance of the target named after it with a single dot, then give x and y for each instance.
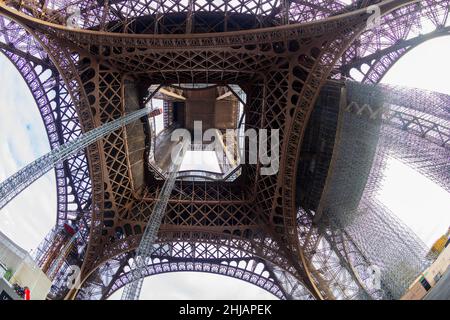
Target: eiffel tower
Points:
(309, 69)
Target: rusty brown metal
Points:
(280, 66)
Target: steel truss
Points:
(415, 130)
(281, 95)
(15, 184)
(60, 120)
(147, 244)
(375, 113)
(194, 257)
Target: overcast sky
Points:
(419, 202)
(29, 217)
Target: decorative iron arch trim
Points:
(369, 50)
(59, 118)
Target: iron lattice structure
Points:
(289, 233)
(11, 187)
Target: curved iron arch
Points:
(232, 247)
(170, 257)
(381, 65)
(379, 62)
(162, 267)
(59, 118)
(402, 35)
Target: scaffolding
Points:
(68, 247)
(377, 123)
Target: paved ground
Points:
(442, 289)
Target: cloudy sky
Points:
(29, 217)
(420, 203)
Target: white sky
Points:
(29, 217)
(200, 160)
(159, 119)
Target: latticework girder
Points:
(146, 246)
(369, 118)
(60, 119)
(281, 65)
(195, 257)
